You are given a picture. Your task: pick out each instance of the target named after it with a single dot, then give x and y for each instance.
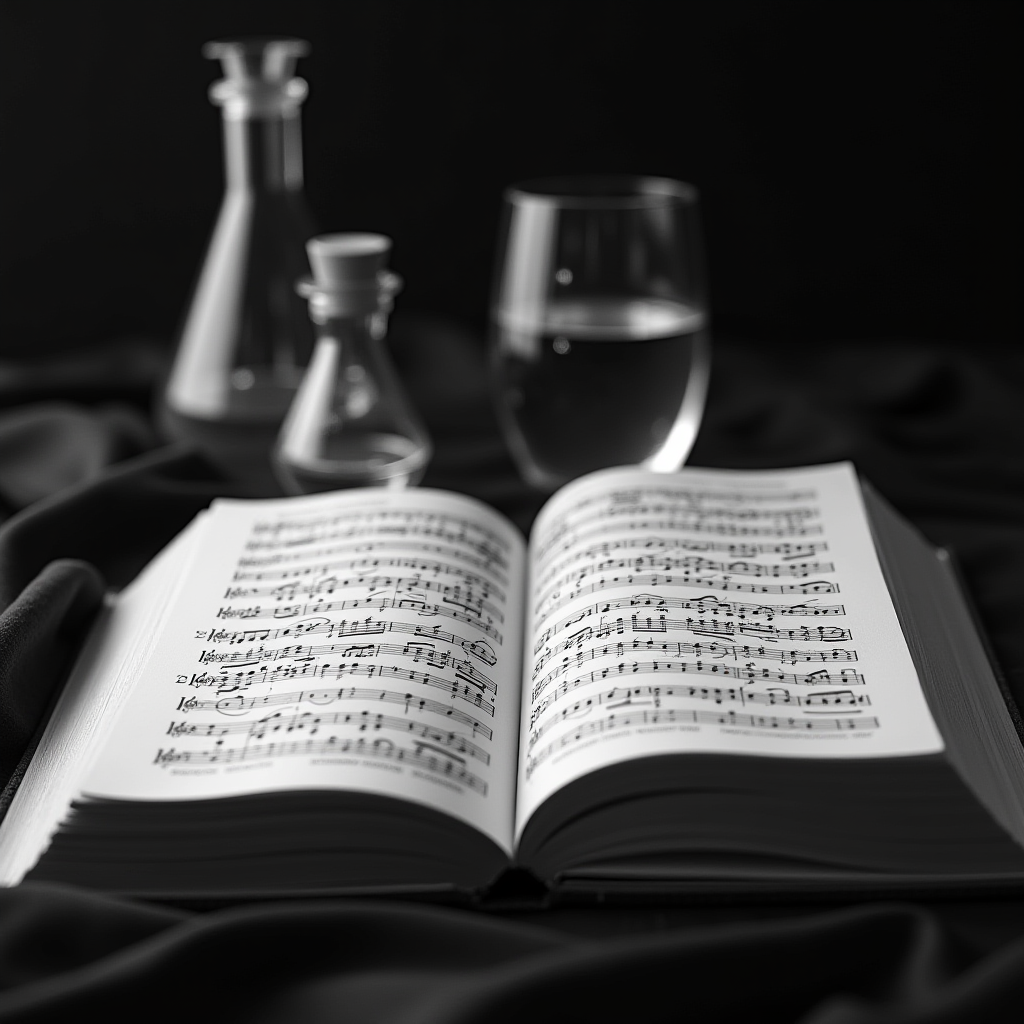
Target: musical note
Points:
(713, 650)
(783, 549)
(438, 659)
(673, 716)
(311, 723)
(695, 525)
(408, 701)
(407, 603)
(450, 767)
(747, 673)
(478, 648)
(685, 580)
(653, 695)
(368, 546)
(358, 565)
(690, 563)
(709, 603)
(453, 529)
(464, 598)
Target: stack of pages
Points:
(706, 681)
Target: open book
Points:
(704, 680)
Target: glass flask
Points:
(247, 338)
(351, 423)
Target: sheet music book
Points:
(702, 681)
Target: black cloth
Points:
(90, 494)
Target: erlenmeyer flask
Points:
(351, 424)
(247, 337)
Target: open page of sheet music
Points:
(710, 611)
(367, 641)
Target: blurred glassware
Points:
(599, 340)
(247, 337)
(351, 423)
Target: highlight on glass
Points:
(599, 340)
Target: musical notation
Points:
(448, 766)
(783, 549)
(468, 685)
(714, 650)
(386, 523)
(709, 603)
(367, 546)
(566, 540)
(411, 604)
(701, 627)
(691, 563)
(620, 697)
(310, 723)
(746, 673)
(466, 599)
(367, 627)
(359, 565)
(689, 498)
(422, 705)
(675, 716)
(685, 580)
(414, 651)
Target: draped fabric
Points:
(89, 494)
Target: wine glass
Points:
(599, 342)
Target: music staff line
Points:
(422, 705)
(409, 521)
(715, 650)
(310, 723)
(639, 504)
(367, 627)
(745, 673)
(693, 499)
(471, 690)
(380, 749)
(709, 603)
(366, 547)
(620, 697)
(326, 567)
(455, 595)
(492, 560)
(782, 549)
(684, 580)
(414, 651)
(672, 716)
(691, 563)
(788, 522)
(566, 538)
(408, 604)
(703, 627)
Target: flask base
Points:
(238, 448)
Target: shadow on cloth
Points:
(90, 495)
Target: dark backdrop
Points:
(859, 163)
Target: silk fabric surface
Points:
(89, 494)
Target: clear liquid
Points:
(597, 383)
(363, 460)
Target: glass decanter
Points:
(247, 337)
(351, 423)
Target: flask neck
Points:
(263, 153)
(356, 328)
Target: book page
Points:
(365, 640)
(83, 715)
(712, 611)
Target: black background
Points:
(859, 164)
